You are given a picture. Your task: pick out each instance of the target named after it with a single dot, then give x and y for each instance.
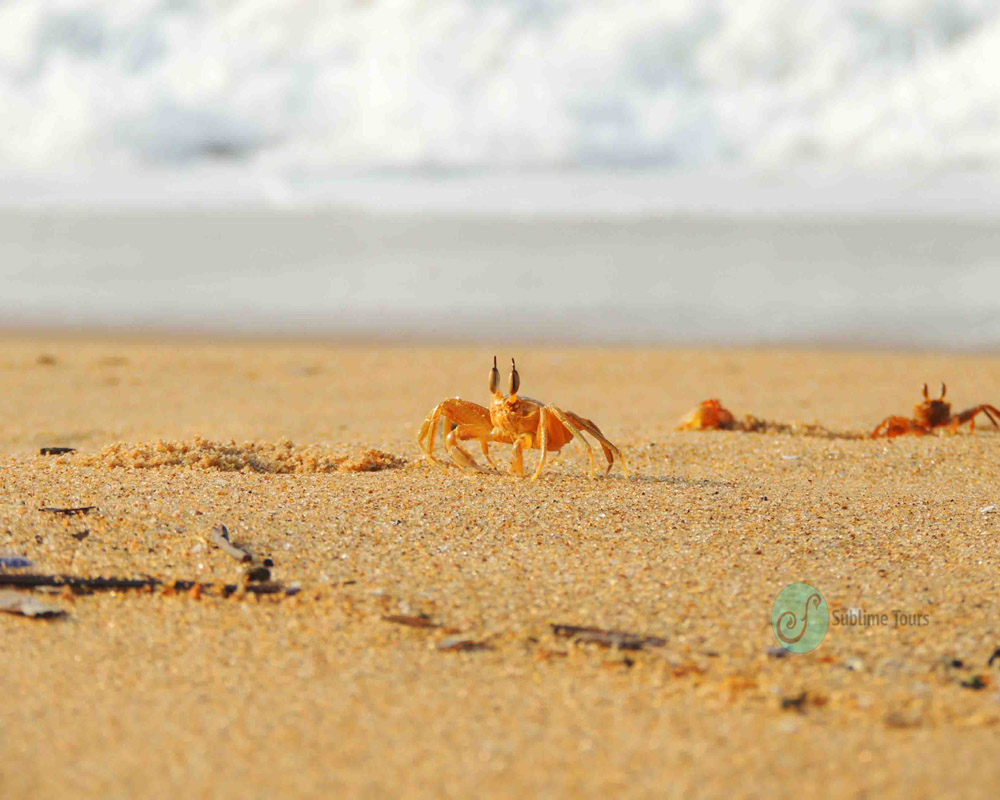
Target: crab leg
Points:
(543, 441)
(427, 430)
(969, 415)
(606, 445)
(882, 427)
(463, 433)
(577, 425)
(517, 461)
(575, 430)
(472, 421)
(891, 427)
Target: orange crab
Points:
(708, 415)
(932, 414)
(510, 419)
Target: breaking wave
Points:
(524, 84)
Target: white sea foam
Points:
(324, 84)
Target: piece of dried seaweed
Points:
(456, 644)
(623, 640)
(102, 584)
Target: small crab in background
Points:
(514, 420)
(933, 414)
(708, 415)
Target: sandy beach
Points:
(306, 452)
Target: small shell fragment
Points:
(28, 606)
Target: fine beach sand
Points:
(167, 694)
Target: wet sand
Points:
(760, 279)
(163, 693)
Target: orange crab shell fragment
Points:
(709, 415)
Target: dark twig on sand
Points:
(69, 512)
(82, 584)
(220, 538)
(460, 644)
(56, 451)
(420, 621)
(620, 639)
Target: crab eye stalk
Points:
(943, 390)
(515, 379)
(925, 392)
(494, 377)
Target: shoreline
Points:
(169, 335)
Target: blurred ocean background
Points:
(691, 171)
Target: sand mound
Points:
(752, 424)
(276, 457)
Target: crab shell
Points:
(707, 416)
